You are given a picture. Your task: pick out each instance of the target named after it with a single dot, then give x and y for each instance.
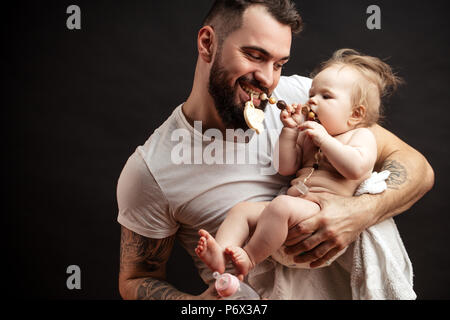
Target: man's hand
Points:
(323, 235)
(208, 294)
(342, 219)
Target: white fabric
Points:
(158, 198)
(375, 184)
(381, 268)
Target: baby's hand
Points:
(291, 116)
(315, 131)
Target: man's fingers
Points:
(309, 225)
(324, 259)
(295, 238)
(305, 245)
(313, 255)
(303, 231)
(294, 232)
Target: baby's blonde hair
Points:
(379, 81)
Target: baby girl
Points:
(333, 154)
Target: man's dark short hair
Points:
(225, 16)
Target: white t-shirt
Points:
(181, 180)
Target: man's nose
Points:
(264, 75)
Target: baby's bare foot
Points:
(240, 259)
(210, 252)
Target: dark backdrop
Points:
(76, 103)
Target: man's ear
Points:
(205, 42)
(357, 116)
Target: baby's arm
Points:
(352, 160)
(290, 152)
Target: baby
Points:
(333, 154)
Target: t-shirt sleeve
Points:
(143, 208)
(293, 89)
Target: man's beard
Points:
(230, 112)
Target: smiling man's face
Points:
(249, 61)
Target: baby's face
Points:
(330, 97)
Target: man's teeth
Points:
(255, 94)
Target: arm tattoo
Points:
(398, 174)
(147, 255)
(154, 289)
(143, 253)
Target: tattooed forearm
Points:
(142, 266)
(398, 174)
(142, 253)
(154, 289)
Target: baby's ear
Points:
(357, 116)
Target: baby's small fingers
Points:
(307, 125)
(297, 117)
(289, 122)
(298, 109)
(290, 108)
(284, 113)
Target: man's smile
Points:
(250, 90)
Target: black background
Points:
(76, 103)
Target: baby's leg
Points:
(233, 231)
(271, 231)
(240, 223)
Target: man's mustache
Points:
(255, 83)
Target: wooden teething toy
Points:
(254, 116)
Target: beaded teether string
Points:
(311, 116)
(301, 186)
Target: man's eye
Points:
(255, 57)
(278, 66)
